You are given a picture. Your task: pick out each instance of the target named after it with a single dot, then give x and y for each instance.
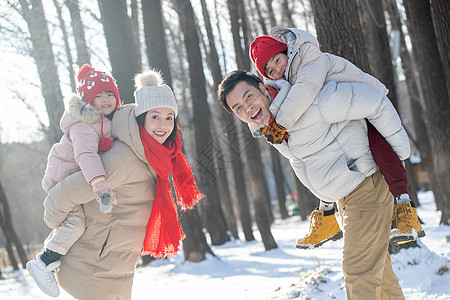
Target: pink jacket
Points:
(78, 148)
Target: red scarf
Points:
(163, 229)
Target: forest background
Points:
(194, 44)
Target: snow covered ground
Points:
(246, 271)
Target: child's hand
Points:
(274, 132)
(276, 84)
(104, 196)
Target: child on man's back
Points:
(296, 57)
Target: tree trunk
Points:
(78, 32)
(155, 38)
(12, 239)
(205, 150)
(339, 30)
(135, 30)
(287, 14)
(214, 67)
(261, 19)
(246, 38)
(279, 181)
(220, 37)
(229, 134)
(432, 78)
(194, 245)
(10, 251)
(377, 43)
(119, 40)
(307, 202)
(33, 14)
(420, 127)
(380, 59)
(66, 46)
(441, 15)
(273, 21)
(260, 192)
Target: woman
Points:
(100, 265)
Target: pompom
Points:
(84, 70)
(104, 144)
(148, 78)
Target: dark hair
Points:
(141, 120)
(230, 81)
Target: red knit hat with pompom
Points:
(90, 83)
(262, 49)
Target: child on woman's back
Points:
(86, 124)
(295, 56)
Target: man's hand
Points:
(274, 132)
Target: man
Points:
(329, 151)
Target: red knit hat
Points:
(91, 82)
(262, 49)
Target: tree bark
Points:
(33, 14)
(229, 134)
(260, 192)
(441, 15)
(377, 43)
(279, 182)
(119, 39)
(273, 21)
(214, 66)
(195, 246)
(261, 20)
(432, 79)
(205, 150)
(287, 14)
(380, 58)
(83, 56)
(155, 38)
(135, 30)
(420, 127)
(339, 30)
(6, 224)
(307, 202)
(62, 25)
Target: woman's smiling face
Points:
(159, 123)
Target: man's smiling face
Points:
(250, 104)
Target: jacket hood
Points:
(76, 110)
(126, 129)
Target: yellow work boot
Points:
(322, 228)
(407, 226)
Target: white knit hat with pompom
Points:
(151, 92)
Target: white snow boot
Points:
(44, 276)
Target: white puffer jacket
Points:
(328, 146)
(307, 70)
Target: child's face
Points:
(250, 104)
(105, 102)
(276, 66)
(159, 123)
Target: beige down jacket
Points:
(100, 265)
(78, 147)
(307, 70)
(328, 146)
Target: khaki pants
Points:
(366, 222)
(61, 239)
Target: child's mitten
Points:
(104, 196)
(274, 132)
